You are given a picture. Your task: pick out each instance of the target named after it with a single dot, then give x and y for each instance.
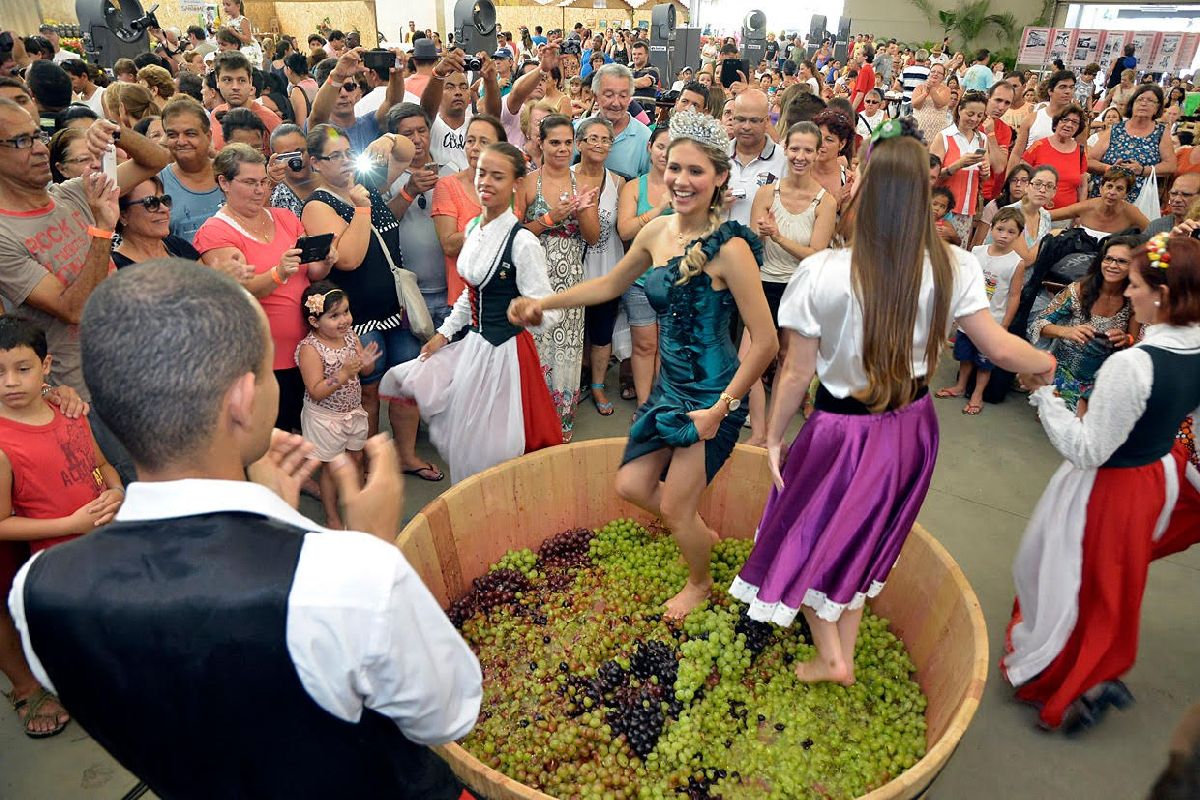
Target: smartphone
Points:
(433, 166)
(314, 248)
(730, 69)
(980, 151)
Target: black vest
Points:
(167, 640)
(1175, 394)
(489, 301)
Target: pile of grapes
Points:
(589, 693)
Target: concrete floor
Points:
(991, 471)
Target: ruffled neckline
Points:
(712, 244)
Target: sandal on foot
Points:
(426, 473)
(628, 392)
(34, 711)
(973, 409)
(949, 391)
(605, 409)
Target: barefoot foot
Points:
(753, 442)
(688, 598)
(818, 671)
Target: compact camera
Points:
(293, 159)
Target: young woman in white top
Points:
(795, 218)
(870, 321)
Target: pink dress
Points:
(338, 423)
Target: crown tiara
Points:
(699, 128)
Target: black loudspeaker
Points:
(843, 29)
(475, 26)
(754, 38)
(685, 50)
(839, 52)
(662, 37)
(816, 29)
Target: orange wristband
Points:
(275, 276)
(99, 233)
(547, 220)
(362, 210)
(404, 193)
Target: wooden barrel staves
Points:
(518, 504)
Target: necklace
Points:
(684, 238)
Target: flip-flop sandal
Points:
(967, 410)
(605, 409)
(34, 711)
(426, 472)
(628, 392)
(942, 394)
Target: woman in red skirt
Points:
(1125, 496)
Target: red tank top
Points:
(54, 469)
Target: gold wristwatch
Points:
(731, 403)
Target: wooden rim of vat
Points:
(911, 783)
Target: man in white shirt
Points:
(211, 593)
(447, 101)
(755, 160)
(50, 34)
(378, 80)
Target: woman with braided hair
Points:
(702, 269)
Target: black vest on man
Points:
(167, 641)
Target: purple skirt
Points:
(853, 485)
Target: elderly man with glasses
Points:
(1183, 194)
(613, 86)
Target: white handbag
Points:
(409, 295)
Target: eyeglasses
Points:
(25, 141)
(338, 157)
(598, 141)
(1181, 193)
(1049, 187)
(1020, 181)
(77, 160)
(1116, 262)
(251, 183)
(149, 202)
(749, 120)
(349, 86)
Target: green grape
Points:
(577, 704)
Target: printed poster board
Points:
(1167, 52)
(1087, 47)
(1111, 48)
(1035, 43)
(1062, 41)
(1144, 43)
(1187, 51)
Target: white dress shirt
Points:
(362, 629)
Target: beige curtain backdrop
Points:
(24, 17)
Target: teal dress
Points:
(698, 358)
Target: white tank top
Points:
(778, 264)
(1043, 125)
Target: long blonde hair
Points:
(694, 260)
(893, 234)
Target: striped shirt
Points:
(911, 78)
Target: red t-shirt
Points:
(1071, 168)
(1004, 137)
(54, 470)
(282, 305)
(864, 84)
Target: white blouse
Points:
(1122, 390)
(479, 254)
(820, 303)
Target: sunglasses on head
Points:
(150, 202)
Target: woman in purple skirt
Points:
(869, 321)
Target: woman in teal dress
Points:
(702, 269)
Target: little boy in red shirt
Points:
(55, 485)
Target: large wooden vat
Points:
(518, 504)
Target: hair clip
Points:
(1156, 251)
(315, 304)
(888, 129)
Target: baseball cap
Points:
(503, 52)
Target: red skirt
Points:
(1118, 546)
(543, 428)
